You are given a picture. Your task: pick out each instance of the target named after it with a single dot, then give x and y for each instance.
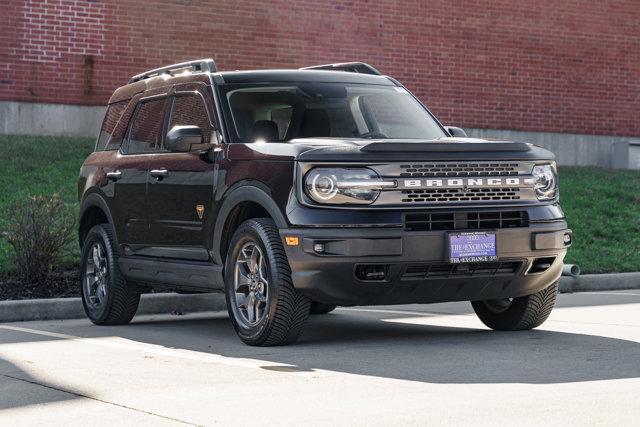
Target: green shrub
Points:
(38, 229)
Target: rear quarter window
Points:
(111, 118)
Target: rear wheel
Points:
(106, 296)
(264, 307)
(516, 314)
(320, 308)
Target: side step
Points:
(183, 274)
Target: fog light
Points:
(566, 238)
(541, 264)
(372, 272)
(318, 247)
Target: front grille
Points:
(460, 194)
(459, 169)
(465, 220)
(441, 184)
(435, 270)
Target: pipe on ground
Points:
(572, 270)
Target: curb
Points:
(600, 282)
(71, 308)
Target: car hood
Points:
(384, 150)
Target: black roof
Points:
(257, 76)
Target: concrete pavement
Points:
(434, 364)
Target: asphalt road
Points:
(433, 364)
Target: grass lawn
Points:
(603, 210)
(602, 206)
(39, 165)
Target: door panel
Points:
(181, 185)
(130, 199)
(131, 174)
(180, 202)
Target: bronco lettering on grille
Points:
(467, 182)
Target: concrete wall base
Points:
(24, 118)
(570, 149)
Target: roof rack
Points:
(351, 67)
(199, 65)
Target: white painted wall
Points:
(24, 118)
(570, 149)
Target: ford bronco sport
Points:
(296, 191)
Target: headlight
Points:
(546, 181)
(339, 186)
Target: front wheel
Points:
(264, 307)
(517, 314)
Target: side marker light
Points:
(292, 240)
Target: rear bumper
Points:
(416, 267)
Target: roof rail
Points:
(199, 65)
(351, 67)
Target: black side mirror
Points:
(184, 139)
(456, 131)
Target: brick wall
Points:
(550, 65)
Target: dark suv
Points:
(294, 191)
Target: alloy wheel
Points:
(96, 276)
(251, 284)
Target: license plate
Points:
(476, 246)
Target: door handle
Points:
(114, 176)
(159, 173)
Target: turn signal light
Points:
(292, 240)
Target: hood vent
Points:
(449, 145)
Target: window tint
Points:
(145, 128)
(388, 116)
(286, 111)
(341, 119)
(114, 111)
(190, 111)
(282, 118)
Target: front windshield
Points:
(285, 111)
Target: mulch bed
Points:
(62, 283)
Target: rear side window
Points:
(144, 132)
(113, 114)
(189, 110)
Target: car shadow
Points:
(351, 343)
(404, 343)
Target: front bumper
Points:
(415, 266)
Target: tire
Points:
(320, 308)
(106, 296)
(267, 310)
(519, 314)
